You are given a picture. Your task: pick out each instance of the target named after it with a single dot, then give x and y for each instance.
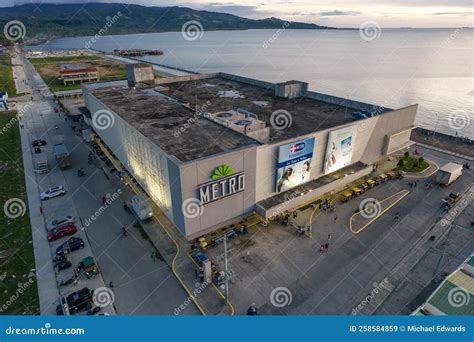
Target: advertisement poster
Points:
(339, 149)
(294, 164)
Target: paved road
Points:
(141, 285)
(335, 282)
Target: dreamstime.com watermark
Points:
(14, 208)
(46, 330)
(200, 111)
(22, 287)
(109, 200)
(458, 209)
(276, 35)
(378, 287)
(199, 288)
(109, 22)
(280, 209)
(14, 30)
(281, 297)
(16, 119)
(370, 30)
(192, 208)
(192, 30)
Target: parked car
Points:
(39, 142)
(61, 231)
(76, 301)
(62, 220)
(53, 192)
(71, 245)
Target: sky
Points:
(338, 13)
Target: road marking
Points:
(406, 192)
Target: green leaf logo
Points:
(222, 171)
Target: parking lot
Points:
(273, 260)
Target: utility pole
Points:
(226, 271)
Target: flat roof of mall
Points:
(174, 128)
(228, 93)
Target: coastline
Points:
(453, 144)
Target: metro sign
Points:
(297, 147)
(221, 188)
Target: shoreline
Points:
(453, 144)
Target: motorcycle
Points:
(66, 282)
(61, 263)
(301, 230)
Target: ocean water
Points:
(393, 68)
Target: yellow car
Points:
(346, 196)
(357, 191)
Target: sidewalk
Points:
(45, 274)
(38, 119)
(174, 249)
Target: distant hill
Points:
(45, 21)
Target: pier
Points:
(137, 52)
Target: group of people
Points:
(325, 246)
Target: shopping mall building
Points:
(212, 148)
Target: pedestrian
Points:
(104, 200)
(335, 218)
(295, 214)
(321, 249)
(329, 237)
(41, 210)
(416, 184)
(326, 246)
(111, 285)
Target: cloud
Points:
(231, 8)
(336, 13)
(454, 13)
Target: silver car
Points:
(62, 220)
(55, 191)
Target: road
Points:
(142, 285)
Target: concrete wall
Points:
(344, 102)
(216, 213)
(144, 160)
(369, 146)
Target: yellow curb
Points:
(376, 217)
(173, 263)
(407, 175)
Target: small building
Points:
(78, 73)
(3, 101)
(140, 73)
(454, 296)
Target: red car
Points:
(61, 231)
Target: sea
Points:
(388, 67)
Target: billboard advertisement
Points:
(294, 164)
(339, 149)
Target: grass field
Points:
(48, 68)
(6, 76)
(18, 288)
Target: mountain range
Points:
(46, 21)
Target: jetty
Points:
(136, 52)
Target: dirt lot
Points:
(49, 70)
